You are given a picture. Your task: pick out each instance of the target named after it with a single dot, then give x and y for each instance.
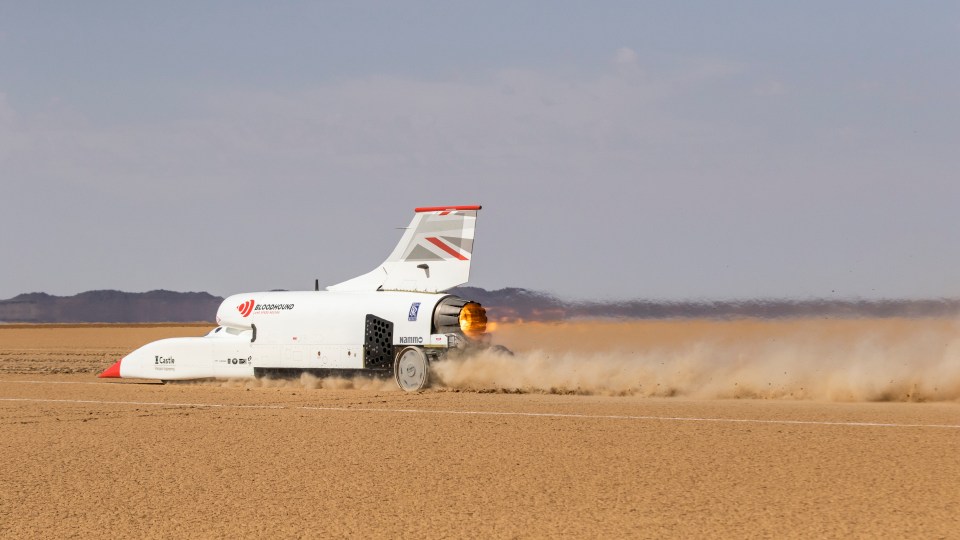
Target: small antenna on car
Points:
(316, 284)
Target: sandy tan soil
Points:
(88, 457)
(79, 348)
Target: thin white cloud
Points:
(8, 135)
(770, 89)
(680, 165)
(366, 122)
(625, 56)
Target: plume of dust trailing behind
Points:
(776, 362)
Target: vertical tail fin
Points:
(433, 255)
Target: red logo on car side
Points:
(246, 308)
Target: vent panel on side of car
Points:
(378, 343)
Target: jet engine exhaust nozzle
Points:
(456, 315)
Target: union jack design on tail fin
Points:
(433, 255)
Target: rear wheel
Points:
(411, 369)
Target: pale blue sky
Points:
(672, 150)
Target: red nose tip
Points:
(112, 372)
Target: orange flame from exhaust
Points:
(473, 320)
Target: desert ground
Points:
(744, 428)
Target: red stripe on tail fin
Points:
(439, 243)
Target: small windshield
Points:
(221, 331)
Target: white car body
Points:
(366, 323)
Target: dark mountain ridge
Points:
(508, 304)
(523, 304)
(110, 306)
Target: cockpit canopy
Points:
(226, 331)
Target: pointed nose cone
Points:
(112, 372)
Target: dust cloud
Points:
(801, 359)
(847, 360)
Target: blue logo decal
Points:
(414, 309)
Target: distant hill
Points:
(110, 307)
(522, 304)
(509, 304)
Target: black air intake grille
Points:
(378, 343)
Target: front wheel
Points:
(411, 369)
